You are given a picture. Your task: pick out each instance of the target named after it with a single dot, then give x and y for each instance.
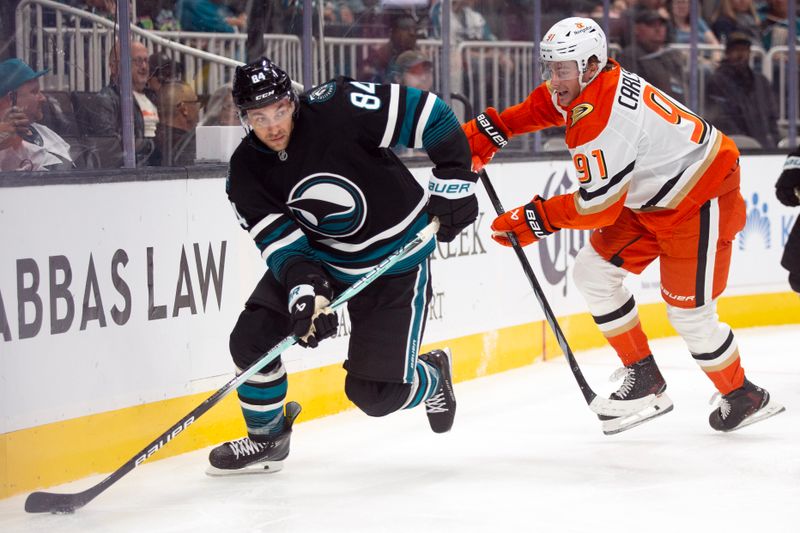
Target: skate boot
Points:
(246, 456)
(441, 407)
(640, 379)
(744, 406)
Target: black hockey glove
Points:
(453, 201)
(788, 186)
(311, 318)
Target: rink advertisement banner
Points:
(116, 295)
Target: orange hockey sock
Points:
(631, 345)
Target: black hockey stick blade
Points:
(50, 502)
(602, 406)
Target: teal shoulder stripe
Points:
(440, 124)
(412, 101)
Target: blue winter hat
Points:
(15, 72)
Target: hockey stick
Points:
(42, 502)
(602, 406)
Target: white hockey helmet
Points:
(574, 39)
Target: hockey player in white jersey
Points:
(656, 181)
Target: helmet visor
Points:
(560, 70)
(272, 114)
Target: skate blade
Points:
(265, 467)
(768, 411)
(662, 406)
(622, 408)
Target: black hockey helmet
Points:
(260, 83)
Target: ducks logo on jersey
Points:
(328, 204)
(580, 111)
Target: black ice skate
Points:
(640, 379)
(744, 406)
(441, 407)
(246, 456)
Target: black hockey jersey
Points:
(337, 195)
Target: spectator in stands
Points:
(622, 29)
(775, 24)
(157, 15)
(466, 24)
(163, 69)
(221, 111)
(107, 120)
(209, 15)
(175, 138)
(615, 11)
(413, 69)
(25, 144)
(336, 17)
(378, 66)
(681, 25)
(263, 17)
(648, 57)
(739, 99)
(735, 15)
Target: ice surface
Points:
(525, 454)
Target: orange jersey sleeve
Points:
(565, 211)
(535, 113)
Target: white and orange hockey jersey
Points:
(633, 146)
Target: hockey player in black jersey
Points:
(787, 189)
(325, 200)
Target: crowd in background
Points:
(738, 99)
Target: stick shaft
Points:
(588, 393)
(41, 502)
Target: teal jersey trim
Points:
(412, 101)
(441, 123)
(274, 235)
(419, 303)
(298, 248)
(271, 394)
(405, 265)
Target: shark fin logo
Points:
(328, 204)
(323, 93)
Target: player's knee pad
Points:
(699, 327)
(599, 281)
(252, 336)
(376, 398)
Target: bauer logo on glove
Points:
(486, 134)
(490, 130)
(528, 229)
